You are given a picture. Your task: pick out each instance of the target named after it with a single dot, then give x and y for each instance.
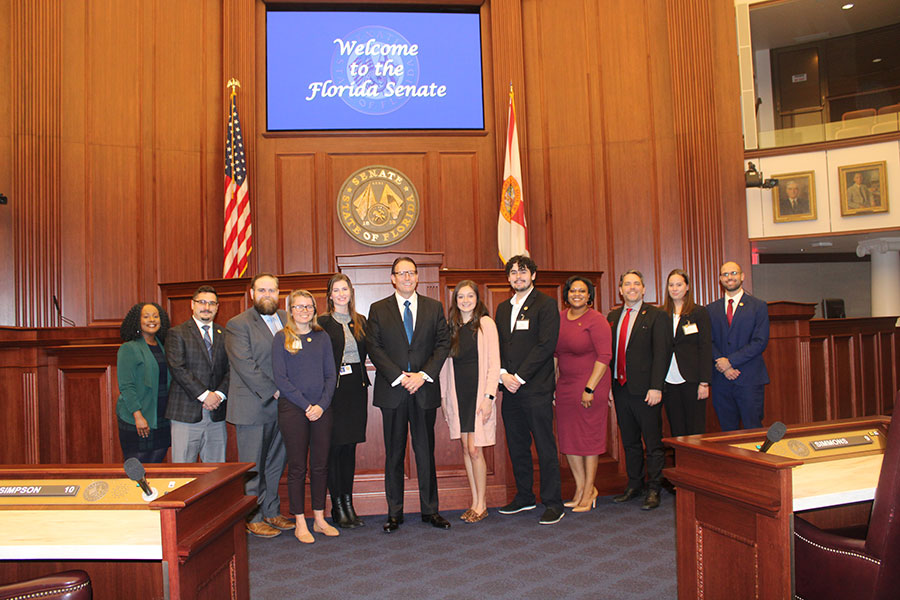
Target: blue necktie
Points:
(207, 340)
(408, 322)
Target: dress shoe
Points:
(515, 507)
(351, 512)
(260, 529)
(467, 515)
(392, 524)
(475, 517)
(436, 520)
(281, 522)
(326, 530)
(551, 516)
(339, 513)
(305, 537)
(628, 494)
(651, 501)
(592, 503)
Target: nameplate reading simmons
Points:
(37, 491)
(841, 442)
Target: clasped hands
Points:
(211, 401)
(723, 366)
(411, 382)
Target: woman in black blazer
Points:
(347, 330)
(690, 370)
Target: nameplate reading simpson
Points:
(37, 491)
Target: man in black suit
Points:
(195, 353)
(408, 341)
(528, 327)
(793, 204)
(641, 355)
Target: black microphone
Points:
(136, 472)
(775, 433)
(63, 318)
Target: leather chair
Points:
(66, 585)
(865, 567)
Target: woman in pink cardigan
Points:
(469, 382)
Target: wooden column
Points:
(789, 393)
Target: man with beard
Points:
(740, 334)
(195, 352)
(252, 406)
(528, 326)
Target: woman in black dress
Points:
(347, 329)
(143, 378)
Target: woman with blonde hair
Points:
(303, 366)
(469, 381)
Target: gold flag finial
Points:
(233, 84)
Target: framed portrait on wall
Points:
(863, 188)
(794, 198)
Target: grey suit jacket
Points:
(251, 389)
(193, 372)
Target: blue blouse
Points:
(307, 377)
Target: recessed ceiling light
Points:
(876, 60)
(847, 6)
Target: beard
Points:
(266, 306)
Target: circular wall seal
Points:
(378, 205)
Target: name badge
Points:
(522, 324)
(346, 370)
(297, 345)
(689, 328)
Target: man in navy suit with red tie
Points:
(740, 334)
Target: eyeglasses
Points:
(303, 307)
(405, 274)
(731, 273)
(210, 303)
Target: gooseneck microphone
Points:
(775, 433)
(136, 472)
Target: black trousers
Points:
(341, 469)
(636, 420)
(525, 421)
(409, 417)
(686, 414)
(303, 438)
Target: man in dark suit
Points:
(408, 341)
(528, 327)
(740, 334)
(641, 356)
(793, 204)
(252, 406)
(195, 353)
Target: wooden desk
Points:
(735, 505)
(189, 542)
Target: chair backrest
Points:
(890, 108)
(883, 538)
(858, 114)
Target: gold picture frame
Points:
(863, 188)
(794, 198)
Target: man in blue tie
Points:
(740, 334)
(195, 353)
(408, 341)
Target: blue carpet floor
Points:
(615, 551)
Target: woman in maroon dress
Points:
(582, 355)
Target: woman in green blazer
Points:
(143, 384)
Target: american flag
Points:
(237, 239)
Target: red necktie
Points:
(620, 351)
(730, 312)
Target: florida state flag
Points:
(512, 232)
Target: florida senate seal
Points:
(378, 205)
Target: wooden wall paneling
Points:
(212, 149)
(36, 119)
(88, 412)
(297, 212)
(177, 110)
(458, 204)
(117, 204)
(787, 356)
(8, 246)
(820, 378)
(19, 408)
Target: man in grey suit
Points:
(252, 406)
(195, 353)
(408, 341)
